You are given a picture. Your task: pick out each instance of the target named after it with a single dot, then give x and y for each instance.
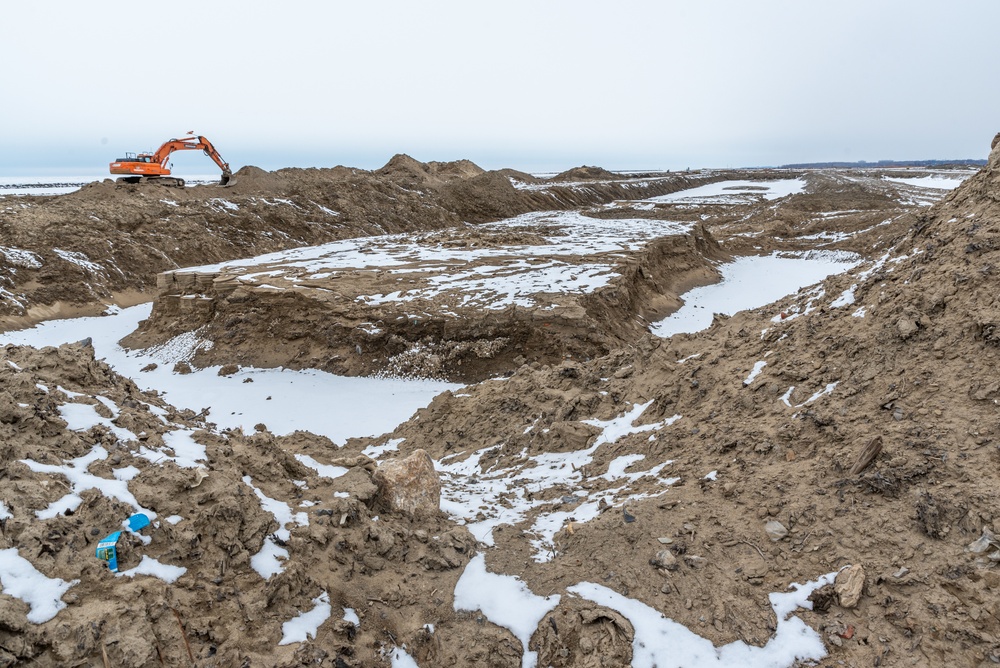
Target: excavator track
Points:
(168, 181)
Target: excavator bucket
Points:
(227, 179)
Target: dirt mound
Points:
(849, 426)
(585, 173)
(106, 242)
(339, 314)
(343, 320)
(86, 448)
(868, 438)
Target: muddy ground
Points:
(282, 311)
(106, 242)
(910, 359)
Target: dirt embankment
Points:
(364, 317)
(351, 549)
(870, 435)
(107, 239)
(329, 326)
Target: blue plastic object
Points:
(107, 550)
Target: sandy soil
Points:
(870, 434)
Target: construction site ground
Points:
(583, 486)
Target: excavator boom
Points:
(153, 166)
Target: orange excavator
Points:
(152, 167)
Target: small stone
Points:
(849, 584)
(228, 369)
(149, 367)
(775, 530)
(983, 543)
(665, 540)
(665, 559)
(183, 368)
(906, 327)
(901, 572)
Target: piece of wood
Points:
(183, 634)
(867, 455)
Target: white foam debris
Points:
(712, 475)
(150, 566)
(5, 513)
(505, 600)
(22, 580)
(351, 617)
(306, 624)
(173, 519)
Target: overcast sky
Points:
(539, 85)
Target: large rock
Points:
(410, 485)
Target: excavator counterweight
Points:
(152, 167)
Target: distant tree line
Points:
(888, 163)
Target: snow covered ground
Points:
(937, 181)
(734, 192)
(343, 407)
(751, 282)
(566, 253)
(284, 400)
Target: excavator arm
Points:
(153, 166)
(192, 144)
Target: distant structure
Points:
(887, 163)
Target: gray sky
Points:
(539, 85)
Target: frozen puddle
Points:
(752, 282)
(935, 182)
(333, 406)
(734, 192)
